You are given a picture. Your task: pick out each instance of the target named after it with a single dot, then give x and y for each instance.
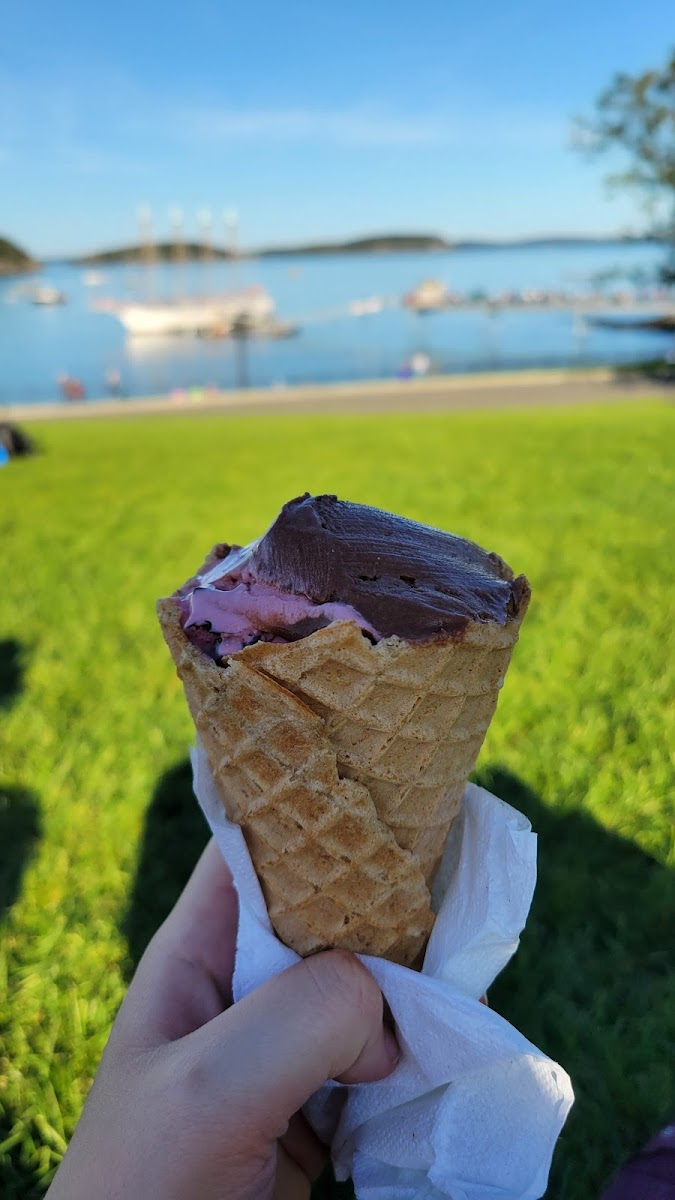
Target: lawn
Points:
(97, 829)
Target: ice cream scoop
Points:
(325, 560)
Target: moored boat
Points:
(200, 314)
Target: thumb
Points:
(320, 1019)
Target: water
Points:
(38, 344)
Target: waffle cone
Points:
(344, 764)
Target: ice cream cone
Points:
(344, 763)
(331, 871)
(407, 721)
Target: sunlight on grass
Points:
(94, 733)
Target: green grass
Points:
(94, 730)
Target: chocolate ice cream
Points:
(325, 560)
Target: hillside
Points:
(14, 260)
(389, 243)
(193, 251)
(163, 251)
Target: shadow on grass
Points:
(21, 1177)
(174, 836)
(592, 985)
(20, 829)
(18, 1181)
(11, 671)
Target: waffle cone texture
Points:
(344, 764)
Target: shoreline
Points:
(369, 243)
(479, 390)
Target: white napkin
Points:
(473, 1110)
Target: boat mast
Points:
(147, 247)
(206, 233)
(178, 239)
(205, 224)
(232, 242)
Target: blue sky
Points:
(312, 118)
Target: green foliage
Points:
(97, 827)
(12, 257)
(636, 114)
(11, 252)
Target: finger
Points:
(320, 1019)
(291, 1182)
(303, 1146)
(184, 979)
(203, 924)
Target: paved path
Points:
(458, 392)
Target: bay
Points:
(37, 344)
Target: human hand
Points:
(196, 1098)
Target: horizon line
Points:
(266, 247)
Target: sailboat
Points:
(252, 307)
(199, 314)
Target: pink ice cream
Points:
(225, 608)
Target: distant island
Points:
(563, 241)
(399, 243)
(161, 251)
(14, 260)
(389, 243)
(386, 243)
(194, 251)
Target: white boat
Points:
(46, 295)
(367, 307)
(197, 315)
(428, 296)
(93, 278)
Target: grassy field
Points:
(97, 828)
